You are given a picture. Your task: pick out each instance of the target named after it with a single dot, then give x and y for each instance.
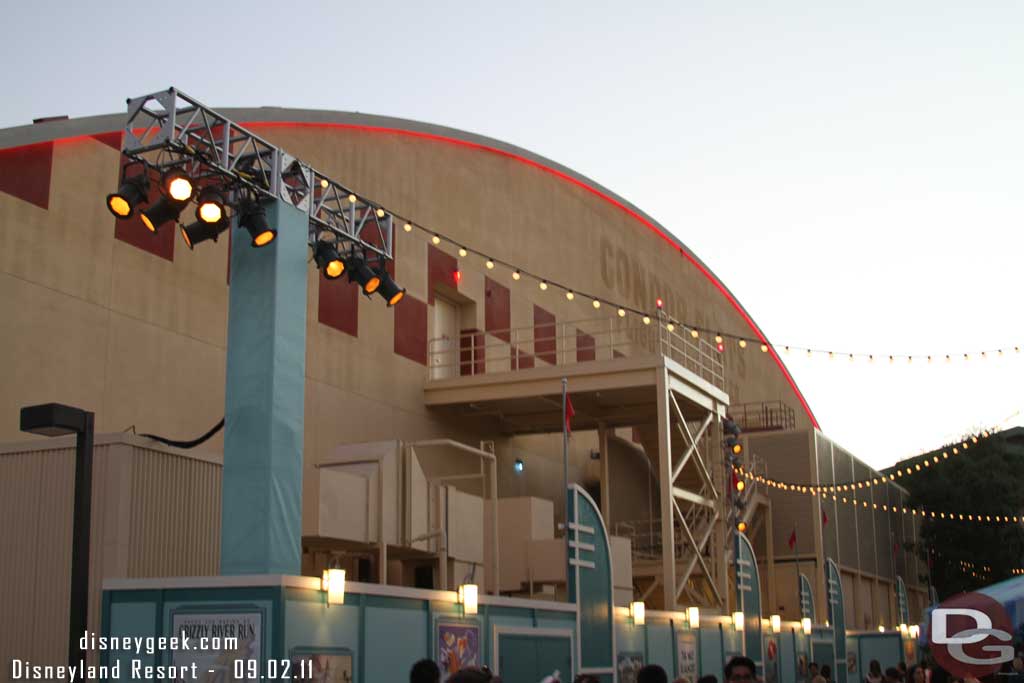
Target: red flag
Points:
(569, 412)
(792, 539)
(824, 518)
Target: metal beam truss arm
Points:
(169, 129)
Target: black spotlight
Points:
(200, 231)
(361, 273)
(133, 191)
(389, 289)
(166, 209)
(327, 260)
(254, 219)
(177, 185)
(211, 206)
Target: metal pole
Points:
(79, 607)
(565, 462)
(799, 583)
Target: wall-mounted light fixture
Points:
(776, 622)
(693, 616)
(903, 630)
(333, 583)
(915, 631)
(638, 611)
(805, 624)
(737, 621)
(881, 628)
(468, 593)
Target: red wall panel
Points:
(339, 305)
(585, 347)
(411, 329)
(497, 309)
(25, 173)
(441, 269)
(544, 343)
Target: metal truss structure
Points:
(169, 129)
(692, 528)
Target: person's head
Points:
(710, 678)
(892, 675)
(812, 668)
(875, 668)
(902, 666)
(585, 678)
(425, 671)
(1018, 664)
(826, 672)
(652, 673)
(740, 670)
(471, 675)
(915, 675)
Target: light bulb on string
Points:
(463, 252)
(718, 338)
(490, 264)
(743, 343)
(670, 327)
(597, 303)
(694, 333)
(764, 348)
(622, 312)
(407, 227)
(570, 295)
(647, 320)
(352, 199)
(543, 285)
(436, 239)
(516, 275)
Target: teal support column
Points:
(261, 506)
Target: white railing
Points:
(566, 343)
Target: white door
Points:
(444, 346)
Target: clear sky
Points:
(854, 172)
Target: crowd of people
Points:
(742, 670)
(738, 670)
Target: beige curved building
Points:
(106, 316)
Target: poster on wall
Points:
(458, 647)
(771, 660)
(321, 665)
(686, 645)
(232, 634)
(628, 666)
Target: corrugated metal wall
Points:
(155, 512)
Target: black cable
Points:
(187, 444)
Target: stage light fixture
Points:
(211, 206)
(254, 219)
(388, 288)
(177, 185)
(741, 527)
(362, 274)
(201, 231)
(132, 192)
(165, 209)
(326, 257)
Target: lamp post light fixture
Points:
(737, 621)
(638, 611)
(56, 419)
(468, 593)
(333, 583)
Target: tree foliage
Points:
(987, 479)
